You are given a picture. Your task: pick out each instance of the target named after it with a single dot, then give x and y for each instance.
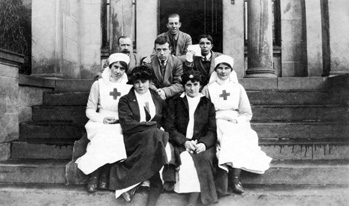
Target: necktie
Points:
(146, 110)
(162, 67)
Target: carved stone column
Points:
(260, 41)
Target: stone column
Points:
(47, 43)
(314, 37)
(122, 22)
(260, 39)
(9, 65)
(338, 11)
(233, 34)
(147, 26)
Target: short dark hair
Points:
(174, 15)
(122, 63)
(141, 73)
(123, 37)
(161, 40)
(207, 36)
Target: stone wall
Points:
(9, 129)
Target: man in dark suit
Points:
(167, 68)
(178, 40)
(204, 62)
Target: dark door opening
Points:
(197, 17)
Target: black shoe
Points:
(102, 185)
(237, 188)
(126, 196)
(92, 185)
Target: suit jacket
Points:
(177, 119)
(129, 115)
(135, 60)
(198, 66)
(171, 81)
(184, 40)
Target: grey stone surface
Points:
(299, 151)
(304, 113)
(301, 130)
(74, 114)
(58, 130)
(74, 85)
(32, 171)
(9, 127)
(5, 151)
(65, 98)
(309, 83)
(24, 150)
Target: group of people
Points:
(177, 121)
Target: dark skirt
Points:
(145, 156)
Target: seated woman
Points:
(191, 122)
(140, 114)
(237, 147)
(103, 129)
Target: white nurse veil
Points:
(227, 60)
(112, 59)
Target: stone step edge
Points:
(275, 163)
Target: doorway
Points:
(197, 17)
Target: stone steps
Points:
(53, 150)
(57, 195)
(51, 130)
(273, 97)
(261, 113)
(265, 130)
(295, 172)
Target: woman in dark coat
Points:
(191, 122)
(140, 114)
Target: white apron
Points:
(237, 143)
(106, 140)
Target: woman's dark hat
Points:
(140, 72)
(191, 75)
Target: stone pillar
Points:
(9, 66)
(122, 21)
(147, 26)
(47, 38)
(293, 50)
(314, 37)
(233, 33)
(260, 39)
(90, 38)
(339, 42)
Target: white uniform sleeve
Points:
(92, 104)
(245, 111)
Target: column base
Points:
(260, 73)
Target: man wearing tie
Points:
(204, 62)
(167, 69)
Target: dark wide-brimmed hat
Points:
(191, 75)
(140, 72)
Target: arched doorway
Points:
(197, 17)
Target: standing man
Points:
(167, 69)
(125, 46)
(179, 41)
(204, 62)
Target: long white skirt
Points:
(106, 146)
(238, 148)
(187, 179)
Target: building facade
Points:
(267, 38)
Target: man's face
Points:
(173, 25)
(162, 51)
(205, 45)
(125, 45)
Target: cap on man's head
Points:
(140, 73)
(192, 76)
(116, 57)
(224, 59)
